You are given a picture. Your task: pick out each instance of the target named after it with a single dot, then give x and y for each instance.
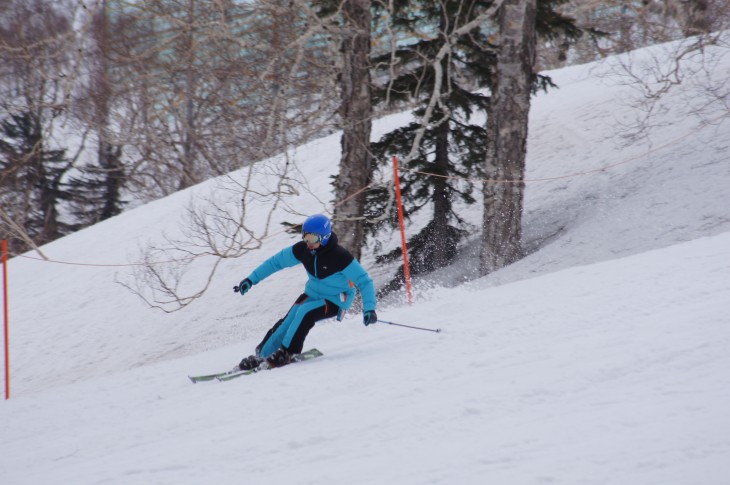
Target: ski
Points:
(234, 373)
(308, 355)
(212, 377)
(228, 377)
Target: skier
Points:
(332, 272)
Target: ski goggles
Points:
(312, 238)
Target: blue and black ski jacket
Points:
(331, 269)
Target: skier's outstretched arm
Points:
(283, 259)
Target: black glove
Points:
(369, 317)
(243, 287)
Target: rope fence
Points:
(426, 174)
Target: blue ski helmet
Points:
(318, 224)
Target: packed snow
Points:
(603, 357)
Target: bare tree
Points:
(696, 17)
(278, 78)
(36, 42)
(655, 74)
(213, 86)
(100, 184)
(507, 125)
(217, 226)
(630, 25)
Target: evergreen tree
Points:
(96, 193)
(453, 147)
(31, 177)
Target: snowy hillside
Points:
(601, 358)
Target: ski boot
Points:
(250, 362)
(279, 358)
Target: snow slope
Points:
(601, 358)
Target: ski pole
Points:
(437, 330)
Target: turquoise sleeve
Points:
(357, 274)
(283, 259)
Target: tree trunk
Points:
(188, 172)
(507, 136)
(356, 111)
(109, 155)
(441, 195)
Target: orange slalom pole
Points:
(404, 246)
(5, 307)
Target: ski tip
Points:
(192, 380)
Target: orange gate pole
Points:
(404, 246)
(5, 311)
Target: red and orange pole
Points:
(404, 245)
(5, 308)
